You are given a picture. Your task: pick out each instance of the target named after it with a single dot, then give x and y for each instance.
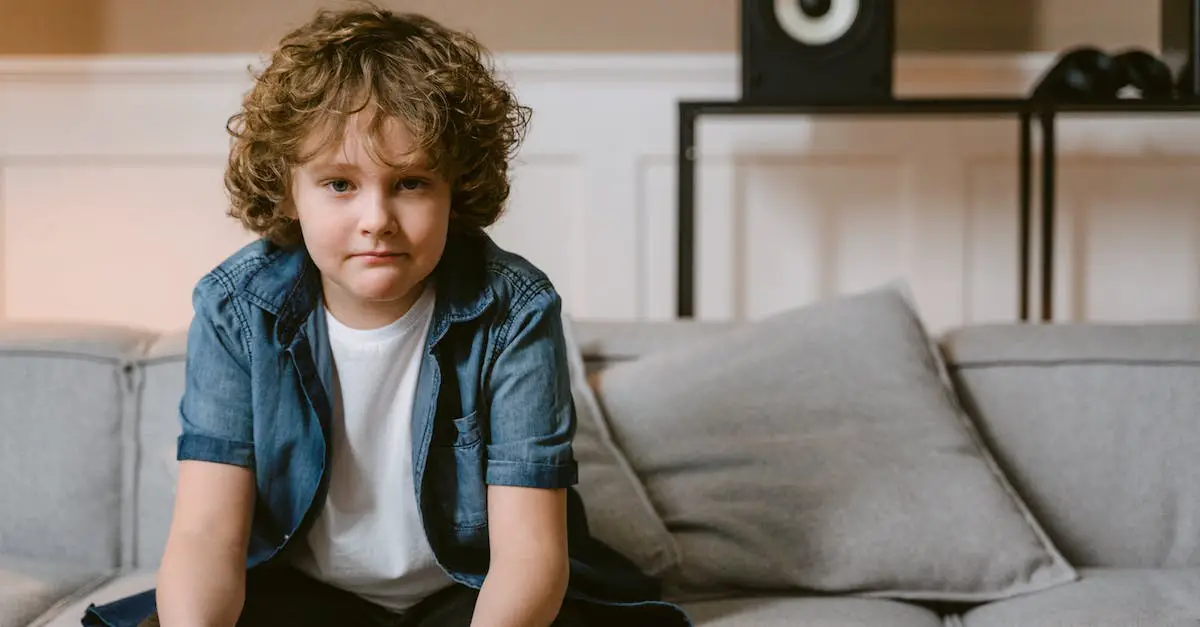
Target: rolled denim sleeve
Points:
(532, 417)
(215, 410)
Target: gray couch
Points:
(829, 466)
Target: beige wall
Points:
(218, 26)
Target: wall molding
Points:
(120, 158)
(1010, 74)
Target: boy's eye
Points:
(410, 183)
(339, 186)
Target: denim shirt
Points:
(493, 407)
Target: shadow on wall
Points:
(51, 26)
(970, 25)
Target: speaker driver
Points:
(816, 22)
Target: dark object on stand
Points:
(817, 51)
(1089, 74)
(1179, 35)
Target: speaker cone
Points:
(816, 22)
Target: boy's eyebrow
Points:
(408, 165)
(331, 165)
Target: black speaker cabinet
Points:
(1180, 33)
(817, 51)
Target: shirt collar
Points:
(288, 285)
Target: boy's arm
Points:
(531, 424)
(529, 570)
(201, 580)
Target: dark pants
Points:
(282, 596)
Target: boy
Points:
(377, 419)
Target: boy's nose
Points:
(377, 218)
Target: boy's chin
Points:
(373, 291)
(382, 294)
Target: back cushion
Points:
(160, 389)
(64, 411)
(608, 343)
(820, 450)
(1098, 427)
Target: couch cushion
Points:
(28, 587)
(822, 449)
(618, 509)
(608, 343)
(1097, 427)
(1103, 598)
(65, 404)
(819, 612)
(70, 612)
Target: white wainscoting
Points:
(111, 203)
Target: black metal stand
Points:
(1047, 114)
(687, 156)
(1024, 109)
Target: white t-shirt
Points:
(368, 538)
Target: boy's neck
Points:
(361, 315)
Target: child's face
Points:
(375, 232)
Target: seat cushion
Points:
(28, 587)
(70, 613)
(823, 612)
(823, 449)
(1103, 598)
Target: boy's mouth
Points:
(378, 257)
(377, 253)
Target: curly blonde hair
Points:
(437, 81)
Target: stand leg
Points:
(685, 164)
(1025, 167)
(1048, 193)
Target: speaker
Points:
(817, 51)
(1179, 31)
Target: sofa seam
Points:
(39, 353)
(1074, 361)
(135, 378)
(158, 361)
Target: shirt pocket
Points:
(466, 431)
(459, 467)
